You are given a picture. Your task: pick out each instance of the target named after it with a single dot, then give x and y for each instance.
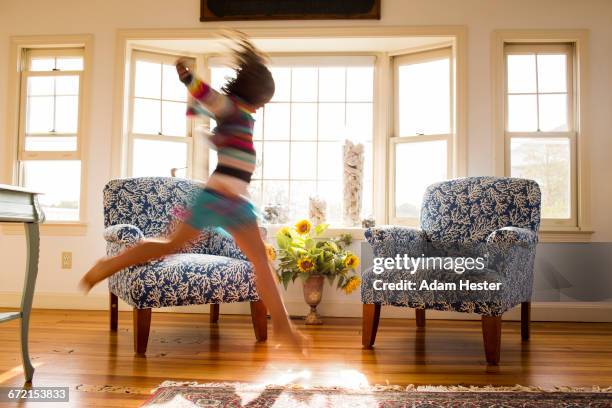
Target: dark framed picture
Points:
(228, 10)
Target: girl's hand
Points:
(183, 69)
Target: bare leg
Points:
(248, 238)
(145, 250)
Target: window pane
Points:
(69, 63)
(521, 73)
(172, 87)
(157, 158)
(359, 121)
(410, 179)
(332, 84)
(424, 98)
(548, 162)
(304, 84)
(146, 117)
(220, 75)
(553, 113)
(258, 160)
(174, 121)
(300, 194)
(552, 73)
(303, 160)
(259, 120)
(67, 85)
(282, 84)
(60, 181)
(42, 64)
(330, 161)
(359, 84)
(255, 192)
(39, 114)
(276, 160)
(522, 113)
(331, 191)
(331, 121)
(275, 192)
(148, 79)
(66, 114)
(41, 85)
(51, 144)
(276, 123)
(304, 121)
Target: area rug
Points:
(235, 395)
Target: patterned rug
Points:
(235, 395)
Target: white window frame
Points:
(397, 139)
(578, 227)
(163, 58)
(570, 134)
(15, 152)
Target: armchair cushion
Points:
(185, 279)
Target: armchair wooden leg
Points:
(525, 320)
(491, 334)
(214, 313)
(142, 324)
(370, 319)
(114, 310)
(259, 316)
(420, 317)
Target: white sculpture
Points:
(317, 210)
(353, 156)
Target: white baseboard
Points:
(540, 311)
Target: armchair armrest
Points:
(389, 241)
(123, 234)
(513, 236)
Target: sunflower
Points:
(351, 261)
(303, 227)
(270, 252)
(284, 231)
(351, 285)
(305, 264)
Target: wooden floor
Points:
(76, 349)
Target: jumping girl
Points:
(222, 202)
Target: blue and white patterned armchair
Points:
(494, 218)
(210, 270)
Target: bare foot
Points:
(96, 274)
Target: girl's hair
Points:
(253, 83)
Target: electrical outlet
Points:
(66, 260)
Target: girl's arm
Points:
(218, 104)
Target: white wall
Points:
(57, 287)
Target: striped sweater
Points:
(233, 136)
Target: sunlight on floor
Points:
(15, 371)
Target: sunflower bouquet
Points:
(302, 253)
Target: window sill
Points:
(546, 235)
(49, 229)
(565, 235)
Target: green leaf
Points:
(321, 228)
